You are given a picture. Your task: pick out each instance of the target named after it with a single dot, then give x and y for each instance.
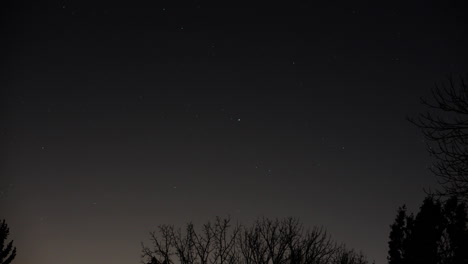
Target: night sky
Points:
(120, 116)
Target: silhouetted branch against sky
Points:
(265, 241)
(446, 131)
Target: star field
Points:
(119, 116)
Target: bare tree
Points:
(347, 256)
(224, 241)
(317, 246)
(203, 243)
(184, 244)
(445, 128)
(163, 247)
(265, 242)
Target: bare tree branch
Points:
(265, 242)
(445, 129)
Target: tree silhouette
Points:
(397, 236)
(455, 236)
(7, 251)
(346, 256)
(266, 241)
(446, 130)
(422, 246)
(438, 234)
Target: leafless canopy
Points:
(265, 242)
(445, 127)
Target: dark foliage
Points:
(397, 236)
(7, 251)
(438, 234)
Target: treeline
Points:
(438, 234)
(265, 241)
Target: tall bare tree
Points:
(445, 127)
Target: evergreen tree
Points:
(437, 235)
(7, 251)
(455, 244)
(425, 234)
(395, 252)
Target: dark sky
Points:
(120, 116)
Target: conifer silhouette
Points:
(7, 251)
(437, 235)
